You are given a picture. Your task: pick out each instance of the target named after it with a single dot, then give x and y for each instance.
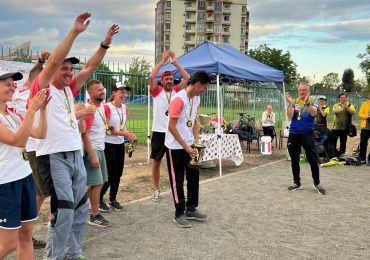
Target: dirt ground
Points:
(136, 181)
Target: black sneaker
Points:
(320, 189)
(195, 215)
(182, 221)
(294, 187)
(116, 206)
(99, 221)
(37, 244)
(103, 207)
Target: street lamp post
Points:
(313, 85)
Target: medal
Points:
(189, 123)
(108, 132)
(73, 124)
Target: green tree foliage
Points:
(365, 64)
(331, 81)
(277, 59)
(137, 77)
(348, 80)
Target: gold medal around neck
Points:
(108, 132)
(73, 124)
(189, 123)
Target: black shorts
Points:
(158, 147)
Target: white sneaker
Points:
(156, 196)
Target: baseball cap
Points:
(13, 75)
(166, 73)
(120, 85)
(322, 97)
(72, 60)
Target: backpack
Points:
(350, 159)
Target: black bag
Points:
(352, 131)
(350, 159)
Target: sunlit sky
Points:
(322, 36)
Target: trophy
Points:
(196, 162)
(130, 147)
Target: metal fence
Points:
(250, 99)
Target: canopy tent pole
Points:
(148, 136)
(219, 124)
(286, 114)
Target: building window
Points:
(200, 27)
(242, 42)
(244, 8)
(188, 4)
(226, 28)
(167, 16)
(168, 4)
(244, 19)
(217, 28)
(242, 30)
(188, 27)
(227, 6)
(226, 18)
(167, 37)
(188, 15)
(187, 37)
(200, 16)
(167, 26)
(225, 39)
(217, 17)
(200, 38)
(218, 6)
(201, 5)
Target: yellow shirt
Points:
(364, 111)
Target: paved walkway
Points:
(251, 216)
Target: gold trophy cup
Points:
(196, 162)
(130, 147)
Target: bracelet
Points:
(104, 46)
(41, 61)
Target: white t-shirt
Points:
(96, 125)
(61, 136)
(12, 165)
(268, 120)
(117, 117)
(180, 108)
(19, 102)
(161, 102)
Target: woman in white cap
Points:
(17, 190)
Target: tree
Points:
(365, 64)
(276, 59)
(348, 80)
(331, 81)
(137, 77)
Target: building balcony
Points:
(190, 31)
(209, 30)
(189, 42)
(226, 33)
(226, 22)
(226, 11)
(210, 20)
(190, 20)
(210, 8)
(192, 8)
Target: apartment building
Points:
(181, 25)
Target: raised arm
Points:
(94, 61)
(59, 54)
(185, 76)
(153, 73)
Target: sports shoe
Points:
(320, 189)
(195, 215)
(103, 207)
(116, 206)
(37, 244)
(363, 162)
(294, 187)
(99, 221)
(156, 196)
(182, 221)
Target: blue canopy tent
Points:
(225, 64)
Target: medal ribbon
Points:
(69, 110)
(103, 118)
(120, 118)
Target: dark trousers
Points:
(295, 144)
(364, 137)
(269, 131)
(177, 161)
(342, 135)
(115, 158)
